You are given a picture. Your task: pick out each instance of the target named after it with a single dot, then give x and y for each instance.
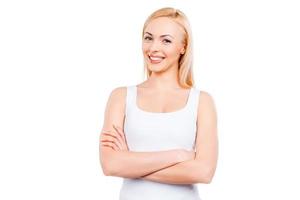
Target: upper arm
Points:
(207, 139)
(114, 115)
(115, 109)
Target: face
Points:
(162, 44)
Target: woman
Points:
(161, 135)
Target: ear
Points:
(182, 51)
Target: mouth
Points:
(156, 59)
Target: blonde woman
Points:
(160, 136)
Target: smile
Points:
(155, 59)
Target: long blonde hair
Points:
(185, 72)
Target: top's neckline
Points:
(162, 113)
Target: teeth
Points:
(155, 58)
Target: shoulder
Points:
(115, 108)
(206, 105)
(205, 97)
(117, 97)
(118, 92)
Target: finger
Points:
(118, 135)
(120, 132)
(122, 135)
(111, 145)
(107, 145)
(124, 142)
(111, 138)
(115, 134)
(118, 139)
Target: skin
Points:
(164, 38)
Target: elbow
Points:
(208, 179)
(113, 170)
(205, 175)
(107, 171)
(209, 174)
(108, 163)
(108, 168)
(205, 179)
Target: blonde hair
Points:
(185, 72)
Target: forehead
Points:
(164, 25)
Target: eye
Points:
(167, 41)
(147, 38)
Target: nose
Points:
(155, 46)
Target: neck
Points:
(165, 80)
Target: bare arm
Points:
(187, 172)
(126, 163)
(200, 170)
(130, 164)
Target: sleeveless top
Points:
(157, 131)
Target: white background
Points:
(61, 59)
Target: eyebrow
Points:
(161, 35)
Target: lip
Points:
(156, 61)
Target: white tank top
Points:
(154, 131)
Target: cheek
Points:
(172, 53)
(145, 48)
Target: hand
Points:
(122, 139)
(114, 139)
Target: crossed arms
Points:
(176, 166)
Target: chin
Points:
(156, 68)
(160, 70)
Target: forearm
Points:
(187, 172)
(130, 164)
